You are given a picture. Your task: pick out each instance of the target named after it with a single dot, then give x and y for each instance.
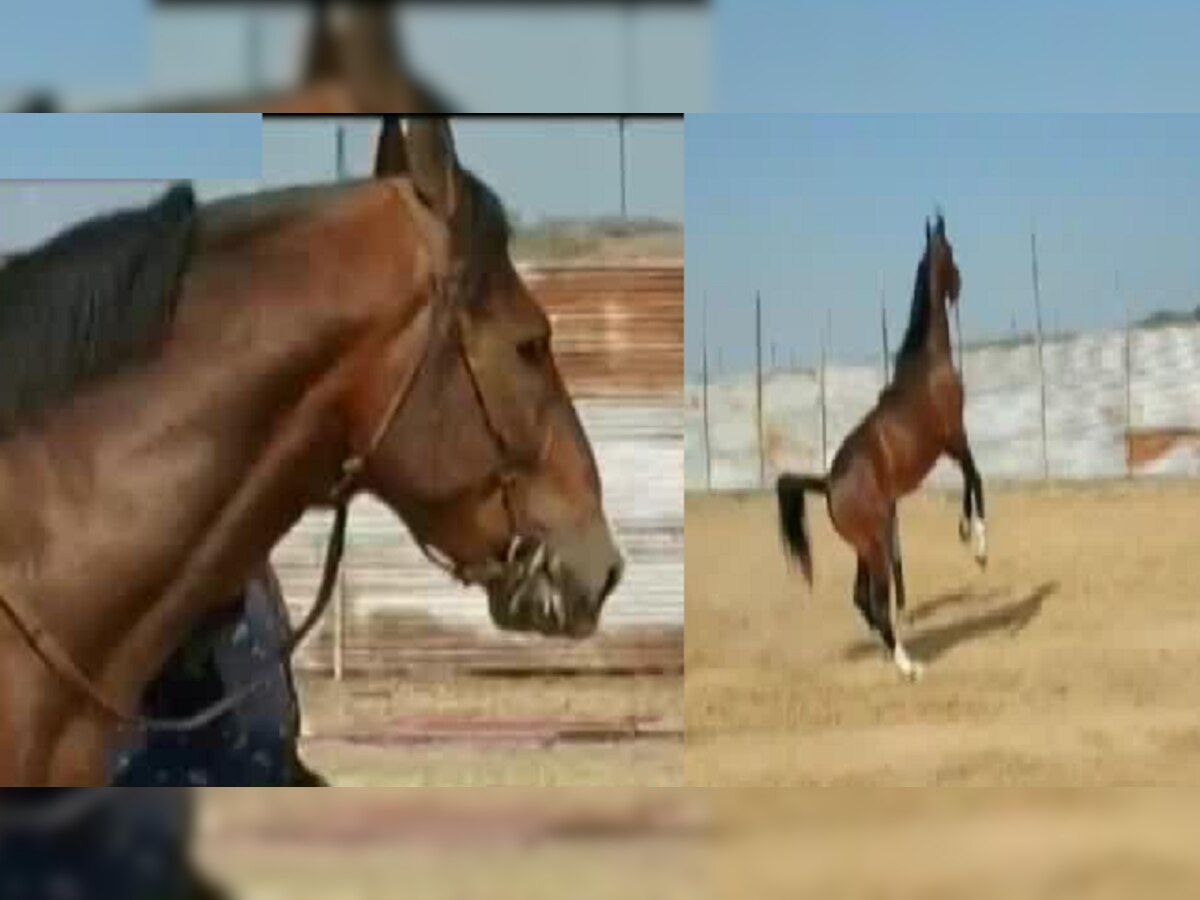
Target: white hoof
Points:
(981, 553)
(909, 669)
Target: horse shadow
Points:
(930, 644)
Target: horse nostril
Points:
(613, 579)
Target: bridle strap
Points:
(51, 652)
(355, 464)
(505, 478)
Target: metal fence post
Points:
(1128, 362)
(339, 626)
(704, 388)
(887, 368)
(762, 459)
(962, 348)
(1037, 305)
(824, 406)
(339, 150)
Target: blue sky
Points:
(817, 211)
(130, 146)
(101, 43)
(539, 167)
(558, 167)
(957, 56)
(491, 58)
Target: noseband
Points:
(510, 471)
(505, 478)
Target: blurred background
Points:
(476, 58)
(407, 682)
(496, 844)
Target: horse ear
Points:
(941, 225)
(391, 154)
(928, 232)
(435, 171)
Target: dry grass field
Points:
(492, 732)
(452, 845)
(1074, 659)
(464, 732)
(376, 837)
(949, 843)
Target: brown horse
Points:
(918, 418)
(290, 348)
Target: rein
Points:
(52, 653)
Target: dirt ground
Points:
(949, 843)
(376, 837)
(1073, 660)
(378, 733)
(662, 844)
(457, 845)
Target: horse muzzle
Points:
(556, 587)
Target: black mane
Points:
(87, 302)
(102, 294)
(918, 318)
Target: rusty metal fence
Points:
(619, 342)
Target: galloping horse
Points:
(182, 400)
(918, 418)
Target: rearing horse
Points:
(278, 352)
(918, 418)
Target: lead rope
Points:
(51, 652)
(53, 655)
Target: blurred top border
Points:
(354, 62)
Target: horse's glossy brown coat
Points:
(129, 512)
(918, 418)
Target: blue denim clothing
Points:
(253, 744)
(133, 844)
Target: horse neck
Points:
(240, 447)
(928, 334)
(937, 337)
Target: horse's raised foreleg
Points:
(974, 518)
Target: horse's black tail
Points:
(793, 524)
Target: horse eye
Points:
(535, 350)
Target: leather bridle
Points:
(506, 478)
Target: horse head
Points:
(487, 462)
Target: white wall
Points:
(1085, 410)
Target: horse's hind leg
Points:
(862, 594)
(897, 563)
(880, 571)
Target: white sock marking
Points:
(980, 540)
(907, 667)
